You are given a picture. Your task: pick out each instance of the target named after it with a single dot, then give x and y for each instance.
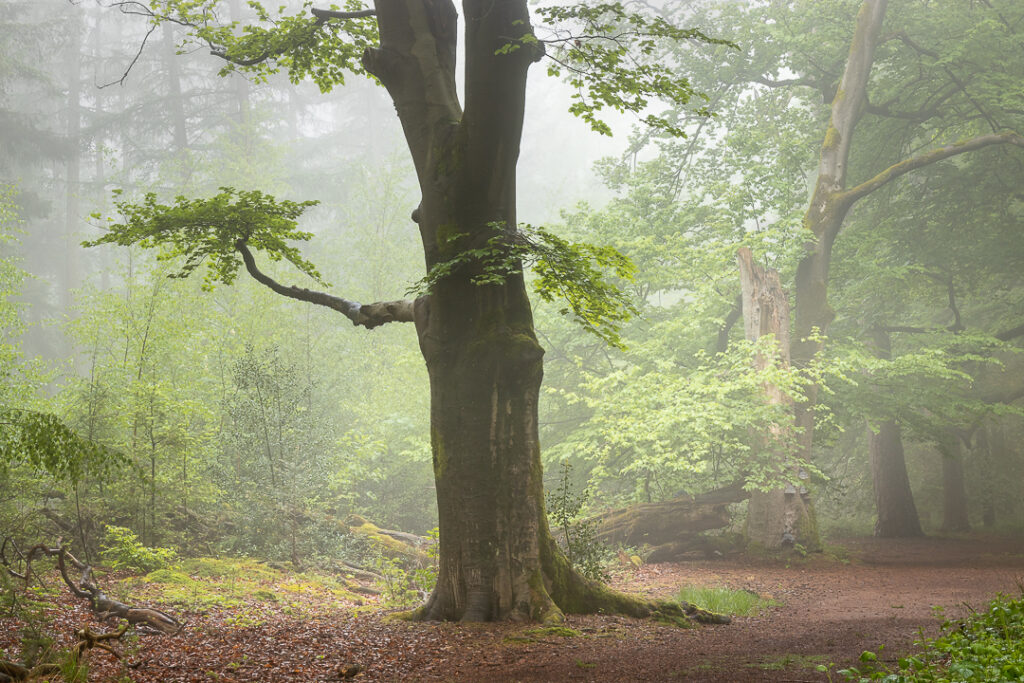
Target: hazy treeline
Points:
(252, 425)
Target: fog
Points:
(791, 281)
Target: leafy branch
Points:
(207, 230)
(322, 44)
(615, 58)
(46, 444)
(574, 272)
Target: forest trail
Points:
(830, 611)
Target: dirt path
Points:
(830, 612)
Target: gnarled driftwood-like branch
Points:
(365, 315)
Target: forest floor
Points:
(830, 609)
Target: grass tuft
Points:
(741, 603)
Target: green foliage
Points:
(34, 438)
(984, 647)
(306, 46)
(401, 587)
(653, 426)
(616, 58)
(46, 444)
(741, 603)
(122, 549)
(577, 535)
(406, 587)
(209, 230)
(574, 272)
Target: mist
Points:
(709, 289)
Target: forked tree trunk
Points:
(782, 516)
(894, 501)
(497, 558)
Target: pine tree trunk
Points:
(894, 501)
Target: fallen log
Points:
(671, 527)
(409, 549)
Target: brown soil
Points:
(831, 610)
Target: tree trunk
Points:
(783, 516)
(497, 558)
(69, 276)
(954, 490)
(894, 501)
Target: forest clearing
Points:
(511, 340)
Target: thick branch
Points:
(914, 163)
(326, 14)
(368, 316)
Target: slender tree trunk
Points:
(784, 516)
(954, 489)
(826, 212)
(70, 274)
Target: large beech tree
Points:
(834, 196)
(474, 322)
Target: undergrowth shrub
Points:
(985, 647)
(402, 587)
(123, 550)
(578, 536)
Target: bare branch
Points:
(128, 69)
(368, 315)
(907, 165)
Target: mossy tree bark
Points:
(497, 557)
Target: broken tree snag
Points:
(781, 516)
(671, 527)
